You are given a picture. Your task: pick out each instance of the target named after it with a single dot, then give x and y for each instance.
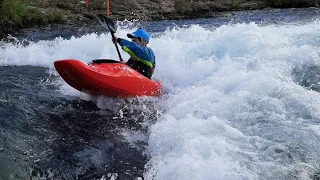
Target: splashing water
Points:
(238, 103)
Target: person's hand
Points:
(114, 39)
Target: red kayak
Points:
(106, 77)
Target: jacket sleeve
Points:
(128, 46)
(140, 53)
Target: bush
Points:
(13, 10)
(292, 3)
(17, 13)
(33, 16)
(97, 4)
(58, 17)
(183, 6)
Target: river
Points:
(240, 101)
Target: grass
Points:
(183, 6)
(97, 4)
(18, 13)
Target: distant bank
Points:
(19, 14)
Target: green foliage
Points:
(13, 10)
(234, 4)
(58, 17)
(17, 13)
(279, 3)
(292, 3)
(97, 4)
(34, 16)
(65, 5)
(183, 6)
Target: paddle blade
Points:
(107, 23)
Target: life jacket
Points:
(141, 67)
(139, 53)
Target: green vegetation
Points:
(235, 4)
(97, 4)
(293, 3)
(17, 13)
(183, 6)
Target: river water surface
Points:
(241, 101)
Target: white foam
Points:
(44, 53)
(232, 109)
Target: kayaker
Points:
(142, 58)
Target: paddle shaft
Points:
(112, 34)
(106, 23)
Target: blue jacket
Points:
(138, 52)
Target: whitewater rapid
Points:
(232, 107)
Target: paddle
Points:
(108, 24)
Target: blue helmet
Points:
(140, 33)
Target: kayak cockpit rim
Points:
(100, 61)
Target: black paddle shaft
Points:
(109, 24)
(112, 34)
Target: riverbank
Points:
(20, 14)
